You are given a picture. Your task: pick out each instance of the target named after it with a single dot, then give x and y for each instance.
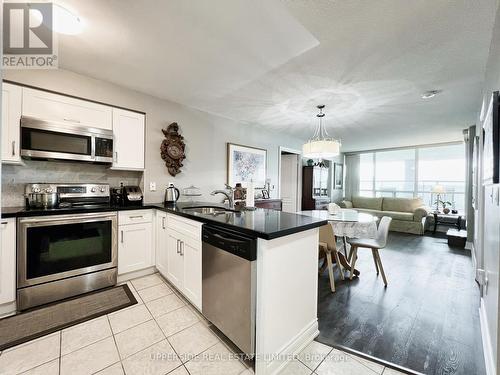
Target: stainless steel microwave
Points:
(42, 139)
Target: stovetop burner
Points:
(70, 195)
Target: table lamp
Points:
(438, 189)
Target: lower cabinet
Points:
(175, 265)
(191, 254)
(161, 243)
(183, 247)
(135, 241)
(7, 261)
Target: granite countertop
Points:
(263, 223)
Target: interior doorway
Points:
(290, 174)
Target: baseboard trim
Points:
(486, 339)
(7, 309)
(288, 351)
(135, 274)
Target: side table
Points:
(453, 220)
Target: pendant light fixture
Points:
(321, 145)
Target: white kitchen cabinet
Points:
(161, 243)
(135, 241)
(49, 106)
(191, 252)
(175, 261)
(184, 256)
(7, 261)
(11, 117)
(128, 139)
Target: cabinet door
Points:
(128, 139)
(175, 261)
(7, 261)
(191, 252)
(135, 247)
(161, 243)
(11, 117)
(56, 107)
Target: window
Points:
(366, 175)
(395, 173)
(414, 172)
(443, 166)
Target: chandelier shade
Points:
(321, 149)
(321, 145)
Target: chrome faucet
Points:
(229, 193)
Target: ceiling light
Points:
(321, 145)
(66, 22)
(430, 94)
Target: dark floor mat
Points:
(26, 326)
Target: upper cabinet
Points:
(128, 126)
(65, 109)
(11, 116)
(128, 139)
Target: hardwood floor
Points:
(427, 319)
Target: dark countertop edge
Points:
(22, 212)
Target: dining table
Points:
(347, 223)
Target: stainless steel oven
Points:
(60, 256)
(42, 139)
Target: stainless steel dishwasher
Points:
(229, 283)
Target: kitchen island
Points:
(285, 290)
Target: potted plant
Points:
(446, 210)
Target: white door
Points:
(175, 261)
(128, 139)
(65, 109)
(289, 182)
(491, 245)
(191, 252)
(135, 250)
(7, 261)
(11, 117)
(161, 242)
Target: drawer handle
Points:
(4, 223)
(71, 120)
(137, 217)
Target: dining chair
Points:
(374, 244)
(327, 244)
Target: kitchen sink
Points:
(208, 210)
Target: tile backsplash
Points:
(15, 177)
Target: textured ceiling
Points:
(271, 62)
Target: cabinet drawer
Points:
(187, 227)
(49, 106)
(135, 217)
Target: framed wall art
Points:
(245, 164)
(338, 176)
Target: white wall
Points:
(205, 134)
(486, 236)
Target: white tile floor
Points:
(162, 334)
